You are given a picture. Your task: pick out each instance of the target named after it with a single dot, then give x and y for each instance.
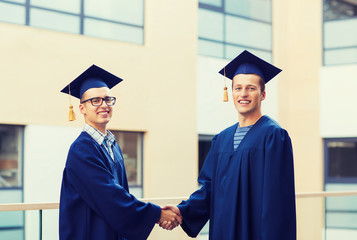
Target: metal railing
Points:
(159, 201)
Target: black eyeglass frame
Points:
(105, 99)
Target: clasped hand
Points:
(170, 217)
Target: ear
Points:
(82, 109)
(263, 95)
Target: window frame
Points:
(224, 43)
(81, 15)
(326, 49)
(140, 161)
(20, 158)
(327, 178)
(20, 188)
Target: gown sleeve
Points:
(278, 211)
(96, 185)
(196, 210)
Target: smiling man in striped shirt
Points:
(247, 179)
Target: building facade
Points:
(170, 102)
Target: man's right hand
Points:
(170, 217)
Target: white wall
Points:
(214, 115)
(338, 110)
(45, 153)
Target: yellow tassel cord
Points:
(72, 115)
(225, 93)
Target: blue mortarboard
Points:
(93, 77)
(247, 63)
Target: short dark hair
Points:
(262, 84)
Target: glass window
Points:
(339, 9)
(10, 156)
(341, 175)
(11, 147)
(110, 19)
(340, 19)
(113, 31)
(131, 144)
(341, 56)
(232, 52)
(335, 29)
(72, 6)
(234, 25)
(12, 234)
(54, 21)
(12, 13)
(242, 31)
(17, 1)
(342, 159)
(256, 9)
(124, 11)
(210, 25)
(204, 145)
(345, 203)
(217, 3)
(341, 212)
(209, 48)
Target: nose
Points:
(244, 92)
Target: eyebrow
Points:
(248, 85)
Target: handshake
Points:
(170, 217)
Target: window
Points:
(341, 160)
(340, 19)
(110, 19)
(227, 27)
(10, 156)
(204, 145)
(131, 144)
(341, 175)
(11, 185)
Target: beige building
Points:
(170, 96)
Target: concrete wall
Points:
(297, 34)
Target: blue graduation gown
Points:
(95, 200)
(247, 194)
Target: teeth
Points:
(243, 102)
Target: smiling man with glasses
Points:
(95, 201)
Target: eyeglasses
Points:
(98, 101)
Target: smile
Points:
(243, 101)
(103, 112)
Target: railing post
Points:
(325, 224)
(40, 219)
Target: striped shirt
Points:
(100, 138)
(239, 135)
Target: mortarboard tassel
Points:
(225, 93)
(72, 115)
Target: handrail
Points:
(161, 201)
(326, 194)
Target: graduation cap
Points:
(248, 63)
(93, 77)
